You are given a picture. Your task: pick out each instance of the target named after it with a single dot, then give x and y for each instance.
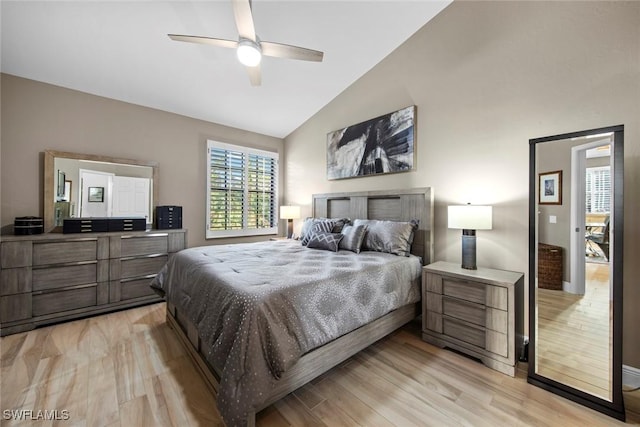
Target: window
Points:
(241, 191)
(598, 190)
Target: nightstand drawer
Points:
(466, 332)
(464, 290)
(497, 320)
(463, 310)
(497, 343)
(433, 322)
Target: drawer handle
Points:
(68, 288)
(463, 302)
(66, 264)
(143, 256)
(132, 279)
(142, 236)
(80, 239)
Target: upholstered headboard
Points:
(390, 205)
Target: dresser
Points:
(477, 312)
(52, 277)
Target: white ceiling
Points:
(120, 50)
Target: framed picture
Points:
(377, 146)
(96, 194)
(550, 188)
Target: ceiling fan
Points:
(249, 47)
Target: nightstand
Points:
(477, 312)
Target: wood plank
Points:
(574, 334)
(138, 374)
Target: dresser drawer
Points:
(147, 245)
(468, 333)
(55, 302)
(65, 275)
(135, 267)
(60, 252)
(136, 288)
(463, 310)
(15, 307)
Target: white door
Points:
(130, 197)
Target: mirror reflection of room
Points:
(101, 189)
(574, 326)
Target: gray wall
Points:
(37, 116)
(556, 156)
(486, 77)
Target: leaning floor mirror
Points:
(575, 267)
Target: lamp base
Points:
(469, 249)
(289, 228)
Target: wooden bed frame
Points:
(398, 205)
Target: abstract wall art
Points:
(377, 146)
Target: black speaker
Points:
(168, 217)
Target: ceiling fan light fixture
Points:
(249, 53)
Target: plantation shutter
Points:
(598, 197)
(242, 190)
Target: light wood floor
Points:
(128, 369)
(574, 334)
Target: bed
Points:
(281, 313)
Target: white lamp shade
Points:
(470, 217)
(289, 212)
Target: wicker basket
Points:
(550, 266)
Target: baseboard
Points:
(630, 376)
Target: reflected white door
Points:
(130, 197)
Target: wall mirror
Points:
(85, 185)
(575, 267)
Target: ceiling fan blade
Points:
(280, 50)
(244, 19)
(254, 75)
(204, 40)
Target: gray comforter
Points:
(259, 307)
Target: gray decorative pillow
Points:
(393, 237)
(353, 237)
(307, 226)
(326, 241)
(319, 226)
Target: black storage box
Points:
(28, 225)
(168, 217)
(85, 225)
(95, 225)
(127, 224)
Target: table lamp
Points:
(289, 213)
(469, 218)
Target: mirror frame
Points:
(615, 407)
(49, 179)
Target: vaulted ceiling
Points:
(120, 50)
